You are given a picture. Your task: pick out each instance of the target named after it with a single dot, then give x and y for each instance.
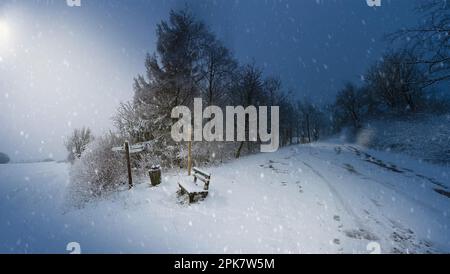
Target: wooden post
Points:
(190, 153)
(127, 156)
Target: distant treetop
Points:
(4, 159)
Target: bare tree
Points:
(128, 121)
(273, 91)
(218, 72)
(397, 81)
(76, 144)
(430, 40)
(310, 121)
(349, 106)
(247, 91)
(273, 95)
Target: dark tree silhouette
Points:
(429, 40)
(4, 158)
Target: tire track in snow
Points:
(393, 167)
(403, 240)
(339, 198)
(388, 186)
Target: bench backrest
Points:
(203, 176)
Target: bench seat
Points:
(198, 187)
(191, 187)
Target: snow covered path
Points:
(321, 198)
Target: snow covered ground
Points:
(320, 198)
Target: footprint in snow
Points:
(350, 168)
(375, 202)
(360, 234)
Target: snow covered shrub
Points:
(4, 159)
(98, 171)
(77, 143)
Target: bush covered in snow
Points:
(4, 159)
(77, 143)
(98, 171)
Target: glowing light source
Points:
(5, 34)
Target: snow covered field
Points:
(422, 136)
(321, 198)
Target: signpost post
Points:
(127, 156)
(137, 148)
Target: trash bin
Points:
(155, 175)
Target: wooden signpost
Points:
(127, 156)
(137, 148)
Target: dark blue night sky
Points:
(314, 45)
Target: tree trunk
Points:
(409, 101)
(307, 128)
(291, 136)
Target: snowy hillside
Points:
(426, 137)
(322, 198)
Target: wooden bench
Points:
(194, 189)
